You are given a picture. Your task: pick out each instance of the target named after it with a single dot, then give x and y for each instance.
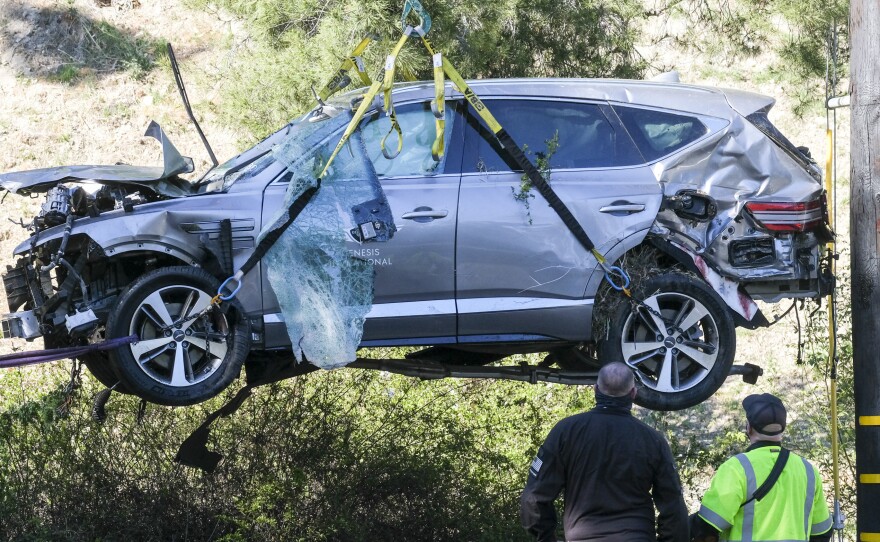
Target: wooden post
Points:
(865, 239)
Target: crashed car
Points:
(691, 190)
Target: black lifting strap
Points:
(544, 188)
(768, 484)
(272, 236)
(194, 452)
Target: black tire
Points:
(173, 363)
(696, 348)
(101, 367)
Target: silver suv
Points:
(691, 190)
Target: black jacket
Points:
(614, 470)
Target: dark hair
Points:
(615, 379)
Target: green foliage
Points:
(345, 455)
(816, 435)
(111, 49)
(298, 44)
(798, 32)
(98, 47)
(67, 45)
(66, 74)
(542, 162)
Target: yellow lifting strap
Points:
(359, 114)
(438, 105)
(616, 276)
(475, 101)
(461, 86)
(387, 86)
(832, 336)
(340, 79)
(481, 109)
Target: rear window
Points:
(760, 120)
(659, 133)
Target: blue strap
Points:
(416, 7)
(19, 359)
(232, 294)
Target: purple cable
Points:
(42, 356)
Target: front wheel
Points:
(681, 341)
(184, 354)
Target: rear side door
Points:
(521, 274)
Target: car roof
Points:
(677, 96)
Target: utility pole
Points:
(864, 22)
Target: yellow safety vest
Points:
(793, 510)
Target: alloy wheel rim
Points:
(674, 353)
(174, 349)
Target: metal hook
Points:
(416, 7)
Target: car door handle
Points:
(623, 208)
(425, 213)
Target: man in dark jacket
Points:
(614, 470)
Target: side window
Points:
(419, 130)
(658, 133)
(584, 136)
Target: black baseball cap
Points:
(766, 413)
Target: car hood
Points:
(161, 180)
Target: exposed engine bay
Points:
(76, 281)
(67, 282)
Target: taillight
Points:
(788, 216)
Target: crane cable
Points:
(832, 102)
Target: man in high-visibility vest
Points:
(765, 493)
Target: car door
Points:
(521, 274)
(414, 283)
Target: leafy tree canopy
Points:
(296, 44)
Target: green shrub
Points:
(298, 44)
(343, 455)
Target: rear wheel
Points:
(184, 355)
(681, 342)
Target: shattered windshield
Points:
(253, 161)
(323, 290)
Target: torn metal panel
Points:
(171, 227)
(736, 165)
(729, 290)
(157, 179)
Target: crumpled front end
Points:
(87, 243)
(47, 281)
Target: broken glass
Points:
(324, 291)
